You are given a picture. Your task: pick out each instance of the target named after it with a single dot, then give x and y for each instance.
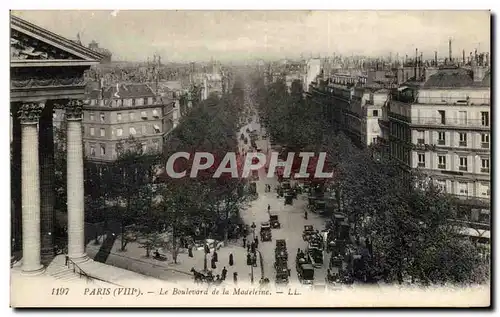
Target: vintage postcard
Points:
(250, 158)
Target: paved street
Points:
(292, 222)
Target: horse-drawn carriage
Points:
(288, 198)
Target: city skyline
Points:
(237, 35)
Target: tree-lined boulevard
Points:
(159, 226)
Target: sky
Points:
(237, 35)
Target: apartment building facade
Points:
(442, 127)
(118, 113)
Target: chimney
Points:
(449, 51)
(463, 57)
(415, 64)
(478, 73)
(435, 58)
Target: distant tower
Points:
(449, 51)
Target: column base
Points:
(33, 272)
(78, 259)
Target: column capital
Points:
(74, 109)
(29, 113)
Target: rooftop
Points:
(123, 91)
(456, 78)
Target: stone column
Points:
(29, 115)
(46, 155)
(76, 216)
(15, 181)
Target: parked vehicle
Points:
(273, 219)
(265, 232)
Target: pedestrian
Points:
(67, 260)
(252, 247)
(235, 277)
(256, 243)
(268, 208)
(190, 251)
(207, 249)
(249, 259)
(244, 242)
(215, 256)
(224, 273)
(248, 248)
(213, 263)
(305, 214)
(231, 259)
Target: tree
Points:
(129, 184)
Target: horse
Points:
(198, 277)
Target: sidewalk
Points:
(134, 259)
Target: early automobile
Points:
(265, 232)
(288, 198)
(308, 231)
(319, 207)
(282, 275)
(315, 256)
(273, 219)
(305, 273)
(280, 251)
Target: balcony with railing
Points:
(453, 101)
(451, 122)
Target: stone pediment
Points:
(30, 43)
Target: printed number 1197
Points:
(60, 291)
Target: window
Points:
(485, 118)
(484, 189)
(132, 116)
(462, 188)
(420, 137)
(462, 117)
(118, 148)
(103, 132)
(118, 117)
(441, 184)
(374, 140)
(441, 138)
(462, 163)
(133, 102)
(463, 139)
(132, 131)
(144, 147)
(442, 116)
(92, 131)
(156, 144)
(103, 149)
(92, 116)
(375, 113)
(155, 113)
(157, 128)
(144, 129)
(421, 160)
(485, 165)
(119, 132)
(92, 150)
(442, 162)
(485, 140)
(103, 117)
(145, 101)
(144, 115)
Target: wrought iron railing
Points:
(477, 123)
(78, 270)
